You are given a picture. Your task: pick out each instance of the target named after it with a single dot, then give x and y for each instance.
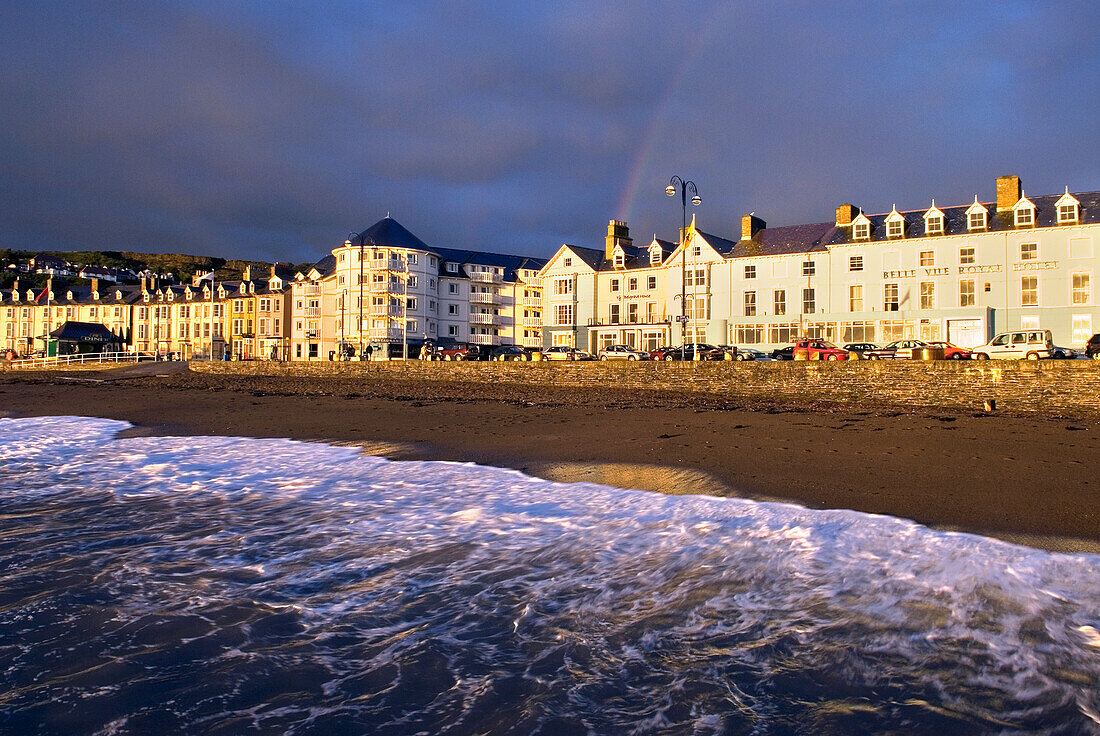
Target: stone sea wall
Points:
(1069, 387)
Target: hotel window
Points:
(632, 284)
(966, 293)
(651, 282)
(890, 298)
(613, 314)
(809, 268)
(750, 272)
(933, 225)
(855, 298)
(697, 251)
(1029, 251)
(563, 314)
(966, 255)
(1067, 213)
(779, 302)
(452, 330)
(1080, 328)
(619, 260)
(651, 312)
(614, 285)
(927, 258)
(412, 282)
(894, 228)
(750, 303)
(697, 308)
(700, 275)
(563, 286)
(976, 220)
(855, 263)
(1082, 291)
(410, 304)
(809, 302)
(567, 261)
(412, 258)
(861, 231)
(654, 257)
(1029, 291)
(928, 295)
(632, 312)
(1025, 217)
(452, 268)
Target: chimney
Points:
(617, 234)
(95, 286)
(751, 225)
(15, 286)
(272, 275)
(845, 213)
(1008, 192)
(144, 285)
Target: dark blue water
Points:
(225, 586)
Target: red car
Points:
(952, 352)
(821, 350)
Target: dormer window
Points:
(654, 256)
(1024, 212)
(976, 216)
(567, 262)
(1068, 209)
(452, 267)
(933, 225)
(861, 231)
(895, 224)
(69, 295)
(619, 259)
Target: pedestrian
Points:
(369, 350)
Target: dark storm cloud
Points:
(271, 130)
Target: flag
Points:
(43, 293)
(207, 277)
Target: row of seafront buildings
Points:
(960, 273)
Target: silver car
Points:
(622, 352)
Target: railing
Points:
(532, 301)
(79, 359)
(532, 321)
(311, 290)
(390, 287)
(313, 334)
(312, 311)
(486, 278)
(484, 298)
(485, 339)
(484, 319)
(384, 333)
(389, 310)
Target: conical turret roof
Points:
(388, 233)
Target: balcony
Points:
(484, 319)
(385, 310)
(311, 290)
(312, 311)
(532, 321)
(386, 287)
(486, 278)
(485, 339)
(532, 301)
(386, 334)
(312, 334)
(483, 298)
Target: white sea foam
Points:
(572, 590)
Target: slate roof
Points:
(777, 241)
(389, 233)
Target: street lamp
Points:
(677, 184)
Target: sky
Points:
(271, 130)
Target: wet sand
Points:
(1022, 478)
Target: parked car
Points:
(1092, 347)
(461, 352)
(730, 352)
(622, 352)
(1063, 353)
(897, 350)
(659, 353)
(860, 347)
(510, 352)
(786, 353)
(752, 354)
(1029, 344)
(562, 352)
(689, 351)
(821, 350)
(951, 351)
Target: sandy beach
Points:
(1022, 478)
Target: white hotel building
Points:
(959, 273)
(386, 288)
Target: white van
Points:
(1030, 344)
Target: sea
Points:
(216, 585)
